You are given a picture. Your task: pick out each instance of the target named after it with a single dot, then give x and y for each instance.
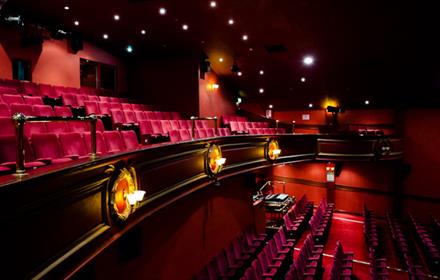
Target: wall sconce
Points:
(125, 195)
(214, 161)
(273, 150)
(330, 172)
(213, 87)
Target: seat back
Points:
(166, 126)
(46, 146)
(126, 106)
(117, 116)
(174, 124)
(62, 111)
(174, 135)
(7, 126)
(33, 100)
(129, 116)
(12, 98)
(21, 108)
(72, 144)
(130, 139)
(101, 148)
(185, 134)
(43, 110)
(92, 107)
(113, 141)
(4, 110)
(104, 108)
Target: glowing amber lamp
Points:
(214, 160)
(273, 150)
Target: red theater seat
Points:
(47, 148)
(8, 148)
(137, 107)
(81, 98)
(31, 89)
(185, 134)
(73, 145)
(184, 124)
(33, 100)
(101, 148)
(118, 118)
(174, 124)
(92, 108)
(158, 115)
(150, 115)
(62, 111)
(105, 99)
(113, 141)
(4, 110)
(126, 106)
(48, 90)
(7, 126)
(115, 105)
(69, 99)
(175, 116)
(130, 117)
(140, 116)
(166, 126)
(157, 127)
(93, 98)
(12, 98)
(21, 108)
(104, 108)
(174, 136)
(130, 139)
(210, 132)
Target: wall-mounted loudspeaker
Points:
(76, 42)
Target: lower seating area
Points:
(342, 264)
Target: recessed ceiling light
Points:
(162, 11)
(105, 36)
(220, 59)
(116, 17)
(261, 72)
(129, 48)
(76, 22)
(261, 90)
(213, 4)
(231, 21)
(143, 32)
(303, 80)
(239, 73)
(270, 106)
(310, 105)
(251, 49)
(367, 102)
(245, 37)
(308, 60)
(66, 8)
(185, 27)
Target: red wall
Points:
(214, 102)
(53, 63)
(358, 183)
(179, 240)
(422, 153)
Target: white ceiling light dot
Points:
(185, 27)
(143, 32)
(116, 17)
(310, 105)
(105, 36)
(213, 4)
(261, 72)
(66, 8)
(239, 73)
(76, 22)
(162, 11)
(261, 90)
(231, 21)
(303, 80)
(367, 102)
(245, 37)
(308, 60)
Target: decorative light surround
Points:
(272, 150)
(125, 195)
(162, 11)
(213, 4)
(231, 21)
(185, 27)
(214, 161)
(105, 36)
(116, 17)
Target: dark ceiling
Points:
(383, 51)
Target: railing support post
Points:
(293, 127)
(93, 135)
(193, 128)
(19, 121)
(216, 125)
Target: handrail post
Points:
(19, 120)
(293, 127)
(276, 125)
(93, 120)
(193, 127)
(216, 125)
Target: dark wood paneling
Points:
(57, 218)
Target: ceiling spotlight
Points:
(105, 36)
(143, 32)
(185, 27)
(239, 73)
(261, 90)
(129, 48)
(245, 37)
(261, 72)
(76, 22)
(308, 60)
(220, 59)
(367, 102)
(162, 11)
(231, 21)
(66, 8)
(251, 49)
(310, 105)
(303, 80)
(116, 17)
(270, 106)
(213, 4)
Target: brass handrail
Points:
(193, 125)
(21, 119)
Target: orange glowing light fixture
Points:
(214, 161)
(273, 150)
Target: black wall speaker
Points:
(76, 42)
